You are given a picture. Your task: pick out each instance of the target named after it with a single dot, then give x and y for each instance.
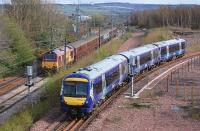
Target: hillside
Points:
(108, 7)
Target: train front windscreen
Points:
(50, 57)
(75, 89)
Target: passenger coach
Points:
(171, 48)
(142, 58)
(85, 89)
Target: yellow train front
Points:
(54, 60)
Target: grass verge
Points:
(157, 34)
(23, 120)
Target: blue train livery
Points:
(85, 89)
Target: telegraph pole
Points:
(51, 44)
(2, 6)
(77, 19)
(111, 25)
(99, 36)
(65, 59)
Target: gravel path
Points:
(121, 115)
(49, 119)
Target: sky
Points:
(123, 1)
(132, 1)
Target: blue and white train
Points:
(85, 89)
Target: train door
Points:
(152, 56)
(180, 50)
(138, 63)
(159, 53)
(121, 74)
(167, 51)
(104, 86)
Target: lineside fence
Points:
(182, 83)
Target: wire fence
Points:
(182, 83)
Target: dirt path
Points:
(132, 42)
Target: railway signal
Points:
(30, 83)
(131, 65)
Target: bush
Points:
(19, 43)
(20, 53)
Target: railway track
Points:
(81, 124)
(10, 100)
(12, 84)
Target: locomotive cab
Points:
(49, 60)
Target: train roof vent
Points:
(80, 69)
(88, 68)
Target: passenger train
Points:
(53, 60)
(83, 90)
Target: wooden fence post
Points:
(184, 86)
(167, 83)
(177, 88)
(192, 95)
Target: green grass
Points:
(157, 34)
(22, 121)
(193, 47)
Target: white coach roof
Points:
(95, 70)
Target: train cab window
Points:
(112, 77)
(51, 57)
(98, 87)
(75, 89)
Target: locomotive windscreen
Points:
(50, 57)
(75, 89)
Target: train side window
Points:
(112, 77)
(163, 51)
(145, 58)
(123, 68)
(136, 61)
(182, 45)
(173, 48)
(98, 87)
(155, 53)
